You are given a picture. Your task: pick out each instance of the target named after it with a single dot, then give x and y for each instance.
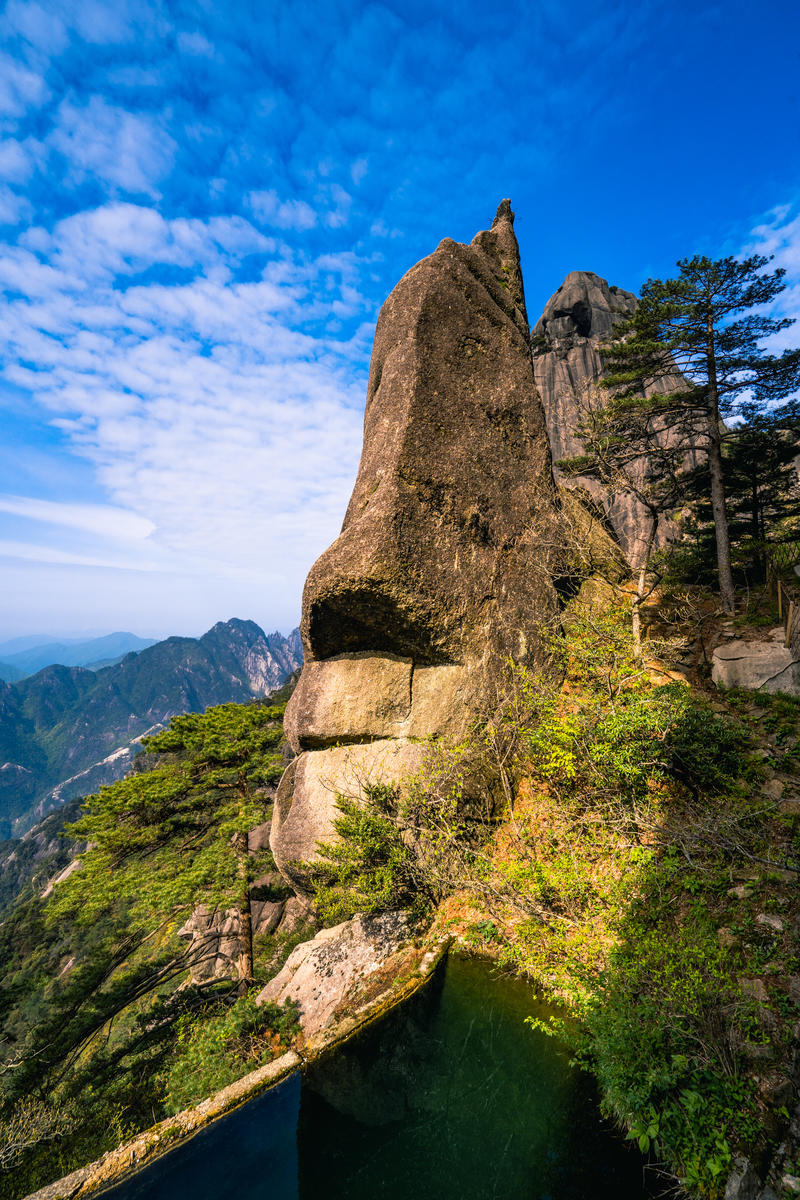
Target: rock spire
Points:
(566, 341)
(443, 566)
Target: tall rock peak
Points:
(503, 213)
(567, 360)
(442, 570)
(584, 307)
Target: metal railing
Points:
(780, 559)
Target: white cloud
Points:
(778, 236)
(13, 208)
(17, 160)
(101, 23)
(101, 519)
(20, 88)
(342, 201)
(32, 552)
(42, 28)
(269, 209)
(224, 435)
(358, 170)
(128, 150)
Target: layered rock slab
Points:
(765, 666)
(442, 571)
(305, 806)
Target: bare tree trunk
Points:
(726, 591)
(245, 961)
(641, 586)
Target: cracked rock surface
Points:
(332, 969)
(766, 666)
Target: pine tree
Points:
(624, 449)
(762, 490)
(703, 322)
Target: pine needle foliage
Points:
(96, 1004)
(708, 323)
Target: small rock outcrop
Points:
(566, 340)
(330, 974)
(766, 666)
(442, 570)
(214, 937)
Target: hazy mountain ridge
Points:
(66, 730)
(20, 660)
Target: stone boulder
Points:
(567, 360)
(443, 569)
(305, 806)
(332, 972)
(766, 666)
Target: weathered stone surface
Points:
(358, 697)
(258, 838)
(576, 320)
(326, 972)
(215, 943)
(266, 915)
(296, 914)
(349, 698)
(444, 547)
(766, 666)
(305, 806)
(442, 571)
(440, 702)
(743, 1183)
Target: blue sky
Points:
(203, 205)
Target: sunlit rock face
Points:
(442, 570)
(566, 341)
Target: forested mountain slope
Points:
(67, 730)
(117, 1004)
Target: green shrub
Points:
(660, 1033)
(217, 1050)
(371, 868)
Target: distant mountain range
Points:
(24, 656)
(66, 730)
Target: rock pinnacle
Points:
(503, 213)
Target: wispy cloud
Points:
(222, 429)
(20, 88)
(33, 552)
(269, 209)
(777, 236)
(99, 140)
(101, 519)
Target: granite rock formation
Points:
(443, 566)
(323, 974)
(566, 340)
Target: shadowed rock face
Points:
(442, 568)
(566, 341)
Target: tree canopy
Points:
(97, 1010)
(709, 323)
